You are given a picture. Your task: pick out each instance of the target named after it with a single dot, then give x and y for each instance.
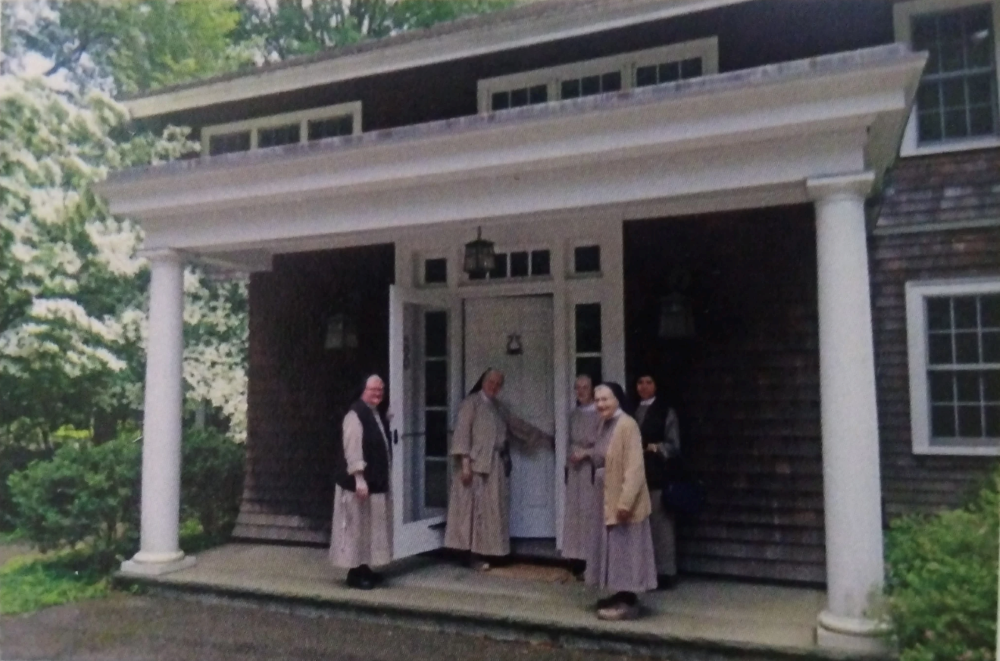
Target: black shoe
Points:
(607, 602)
(376, 578)
(666, 581)
(357, 580)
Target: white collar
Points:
(485, 396)
(618, 413)
(648, 402)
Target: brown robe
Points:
(479, 513)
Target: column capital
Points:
(854, 184)
(162, 255)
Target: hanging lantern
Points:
(479, 256)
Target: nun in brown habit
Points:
(479, 501)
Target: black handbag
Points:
(684, 497)
(657, 468)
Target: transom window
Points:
(518, 264)
(957, 95)
(600, 76)
(955, 366)
(284, 129)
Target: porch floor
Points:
(700, 618)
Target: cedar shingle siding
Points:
(746, 387)
(926, 231)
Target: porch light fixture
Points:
(479, 256)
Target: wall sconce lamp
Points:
(479, 255)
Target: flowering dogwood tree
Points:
(72, 287)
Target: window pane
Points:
(990, 310)
(591, 366)
(670, 72)
(500, 101)
(943, 421)
(691, 68)
(929, 96)
(952, 55)
(519, 98)
(929, 126)
(950, 26)
(645, 76)
(981, 120)
(228, 143)
(966, 312)
(924, 31)
(331, 128)
(955, 124)
(991, 347)
(993, 421)
(968, 387)
(611, 82)
(590, 85)
(539, 94)
(970, 421)
(966, 348)
(588, 328)
(436, 380)
(518, 264)
(939, 313)
(939, 349)
(540, 262)
(942, 387)
(436, 484)
(587, 259)
(980, 47)
(437, 433)
(991, 386)
(436, 334)
(499, 266)
(980, 89)
(570, 89)
(278, 135)
(435, 271)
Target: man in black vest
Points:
(362, 510)
(661, 442)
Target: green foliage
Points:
(280, 29)
(942, 582)
(29, 584)
(211, 482)
(136, 45)
(87, 494)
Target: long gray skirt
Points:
(479, 514)
(621, 556)
(362, 530)
(583, 511)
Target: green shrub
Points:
(86, 493)
(942, 582)
(211, 481)
(14, 458)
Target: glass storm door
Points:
(420, 364)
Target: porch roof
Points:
(757, 134)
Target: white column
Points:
(159, 550)
(852, 489)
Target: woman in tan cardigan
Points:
(621, 553)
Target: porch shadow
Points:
(700, 619)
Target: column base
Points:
(851, 634)
(145, 566)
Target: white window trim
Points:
(571, 272)
(916, 332)
(420, 275)
(302, 117)
(902, 13)
(626, 63)
(467, 281)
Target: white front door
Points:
(420, 361)
(514, 334)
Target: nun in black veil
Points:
(479, 501)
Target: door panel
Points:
(420, 328)
(528, 391)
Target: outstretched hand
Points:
(623, 515)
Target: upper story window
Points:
(518, 264)
(956, 103)
(284, 129)
(601, 76)
(953, 331)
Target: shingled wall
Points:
(939, 219)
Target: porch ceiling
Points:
(747, 138)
